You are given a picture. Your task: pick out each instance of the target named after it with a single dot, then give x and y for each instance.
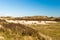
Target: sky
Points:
(30, 8)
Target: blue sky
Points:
(29, 7)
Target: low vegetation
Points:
(52, 30)
(17, 31)
(34, 18)
(13, 31)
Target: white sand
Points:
(30, 22)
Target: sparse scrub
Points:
(52, 30)
(13, 31)
(16, 31)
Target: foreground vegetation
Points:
(13, 31)
(16, 31)
(52, 30)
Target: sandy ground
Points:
(30, 22)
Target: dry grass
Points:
(52, 30)
(11, 31)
